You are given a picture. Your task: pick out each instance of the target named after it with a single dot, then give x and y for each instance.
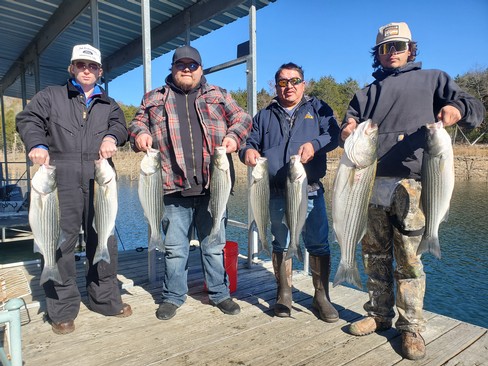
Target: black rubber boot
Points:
(283, 273)
(320, 267)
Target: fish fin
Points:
(101, 255)
(349, 274)
(37, 248)
(290, 253)
(430, 244)
(51, 273)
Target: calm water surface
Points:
(457, 284)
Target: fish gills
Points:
(44, 220)
(437, 185)
(106, 205)
(259, 199)
(151, 196)
(296, 205)
(353, 185)
(220, 186)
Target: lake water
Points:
(457, 284)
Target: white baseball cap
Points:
(393, 32)
(86, 52)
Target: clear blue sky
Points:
(332, 37)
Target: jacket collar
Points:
(383, 73)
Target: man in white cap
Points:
(401, 101)
(186, 120)
(70, 127)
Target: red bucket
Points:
(231, 256)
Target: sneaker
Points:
(228, 306)
(166, 311)
(413, 345)
(368, 325)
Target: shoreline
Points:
(470, 164)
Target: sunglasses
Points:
(293, 81)
(83, 66)
(192, 66)
(398, 46)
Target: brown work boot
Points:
(63, 328)
(368, 325)
(413, 345)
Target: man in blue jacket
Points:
(401, 101)
(295, 124)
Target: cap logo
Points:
(390, 31)
(87, 52)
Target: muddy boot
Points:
(413, 345)
(320, 267)
(368, 325)
(283, 273)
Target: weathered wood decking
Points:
(200, 334)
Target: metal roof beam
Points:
(65, 15)
(165, 32)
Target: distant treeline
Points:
(337, 95)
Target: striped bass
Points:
(220, 186)
(44, 220)
(353, 185)
(259, 200)
(296, 205)
(106, 205)
(437, 185)
(151, 196)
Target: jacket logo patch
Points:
(308, 116)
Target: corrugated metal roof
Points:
(50, 29)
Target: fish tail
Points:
(430, 244)
(51, 273)
(101, 254)
(349, 274)
(292, 251)
(156, 243)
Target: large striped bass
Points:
(106, 206)
(220, 186)
(437, 185)
(151, 196)
(259, 200)
(353, 185)
(44, 220)
(296, 205)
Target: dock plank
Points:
(200, 334)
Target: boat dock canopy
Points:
(38, 35)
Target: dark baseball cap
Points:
(187, 52)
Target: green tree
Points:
(476, 83)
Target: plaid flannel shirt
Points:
(219, 115)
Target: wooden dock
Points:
(200, 334)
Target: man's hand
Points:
(449, 115)
(143, 142)
(230, 145)
(108, 148)
(39, 156)
(251, 157)
(306, 152)
(351, 126)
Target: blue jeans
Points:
(182, 216)
(315, 232)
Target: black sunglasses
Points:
(293, 81)
(192, 66)
(83, 65)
